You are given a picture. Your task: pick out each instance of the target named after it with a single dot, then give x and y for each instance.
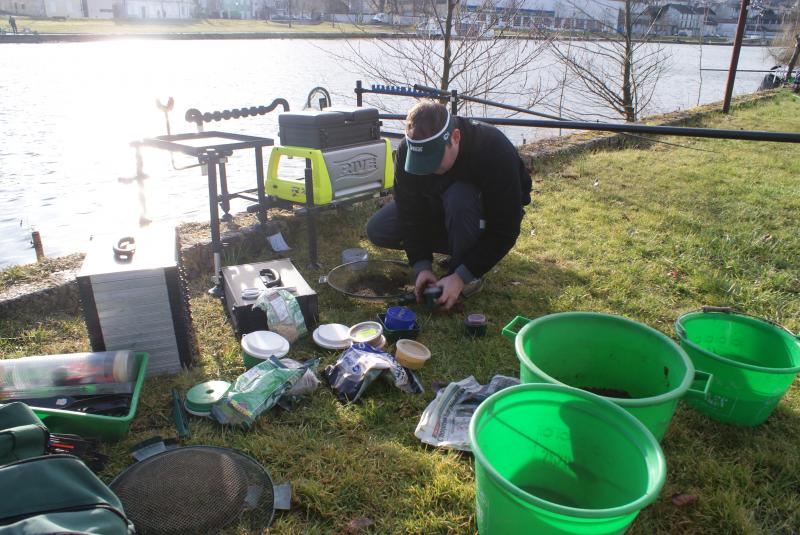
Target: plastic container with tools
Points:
(97, 425)
(411, 354)
(393, 335)
(258, 346)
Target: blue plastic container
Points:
(399, 318)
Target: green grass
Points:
(663, 231)
(134, 27)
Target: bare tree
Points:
(785, 47)
(620, 73)
(477, 49)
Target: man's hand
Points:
(451, 286)
(424, 279)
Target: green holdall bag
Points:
(58, 494)
(22, 433)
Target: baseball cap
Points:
(423, 156)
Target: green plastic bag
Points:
(255, 391)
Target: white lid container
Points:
(265, 344)
(332, 336)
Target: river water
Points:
(68, 112)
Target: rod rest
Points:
(193, 115)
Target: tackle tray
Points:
(108, 428)
(330, 128)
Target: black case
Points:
(331, 128)
(240, 311)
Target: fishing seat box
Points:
(330, 128)
(243, 317)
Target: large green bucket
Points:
(551, 459)
(635, 366)
(753, 362)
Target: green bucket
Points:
(551, 459)
(635, 366)
(753, 361)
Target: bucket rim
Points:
(654, 484)
(680, 331)
(674, 394)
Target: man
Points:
(459, 189)
(13, 23)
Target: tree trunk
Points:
(793, 61)
(447, 55)
(627, 67)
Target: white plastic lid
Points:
(332, 336)
(265, 344)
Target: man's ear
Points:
(456, 136)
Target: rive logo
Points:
(415, 148)
(359, 165)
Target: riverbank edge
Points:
(32, 38)
(58, 292)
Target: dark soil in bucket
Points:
(372, 285)
(607, 392)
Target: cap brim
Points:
(424, 163)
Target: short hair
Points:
(425, 119)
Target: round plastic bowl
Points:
(399, 319)
(633, 365)
(258, 346)
(753, 362)
(367, 332)
(411, 354)
(550, 459)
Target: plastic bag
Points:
(283, 313)
(255, 391)
(361, 364)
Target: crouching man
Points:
(460, 188)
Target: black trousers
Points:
(458, 222)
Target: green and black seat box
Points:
(330, 128)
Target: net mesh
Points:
(196, 489)
(372, 279)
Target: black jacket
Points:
(486, 159)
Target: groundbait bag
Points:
(22, 433)
(58, 494)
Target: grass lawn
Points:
(645, 233)
(133, 27)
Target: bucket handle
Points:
(508, 330)
(700, 385)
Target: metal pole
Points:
(37, 245)
(311, 216)
(633, 128)
(211, 159)
(737, 48)
(262, 196)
